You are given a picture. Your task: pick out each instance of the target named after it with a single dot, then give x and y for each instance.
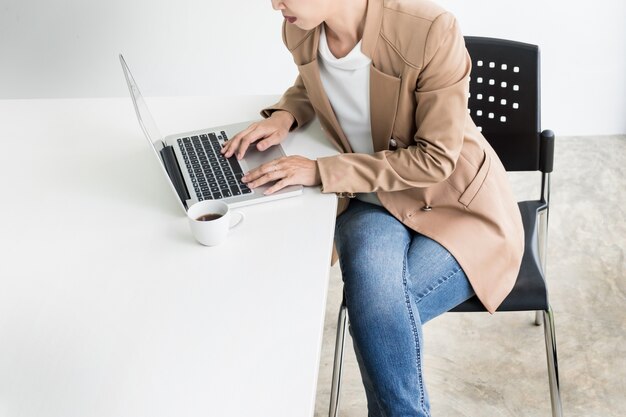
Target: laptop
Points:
(194, 166)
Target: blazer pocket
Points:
(475, 185)
(384, 97)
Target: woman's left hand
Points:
(288, 170)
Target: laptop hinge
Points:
(173, 170)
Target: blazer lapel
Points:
(371, 30)
(310, 74)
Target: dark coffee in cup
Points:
(209, 217)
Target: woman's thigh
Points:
(435, 279)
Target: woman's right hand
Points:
(272, 131)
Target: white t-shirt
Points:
(346, 82)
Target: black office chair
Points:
(505, 103)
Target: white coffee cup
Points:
(211, 232)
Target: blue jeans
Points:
(395, 280)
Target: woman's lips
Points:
(290, 19)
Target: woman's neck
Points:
(346, 21)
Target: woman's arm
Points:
(295, 101)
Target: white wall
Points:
(68, 48)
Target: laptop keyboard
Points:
(213, 176)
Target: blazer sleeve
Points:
(441, 111)
(295, 100)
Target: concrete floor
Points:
(494, 366)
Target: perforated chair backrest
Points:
(504, 99)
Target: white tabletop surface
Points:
(108, 307)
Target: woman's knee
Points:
(367, 233)
(372, 249)
(358, 218)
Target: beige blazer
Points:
(431, 168)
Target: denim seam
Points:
(440, 282)
(415, 332)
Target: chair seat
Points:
(529, 292)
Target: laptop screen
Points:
(143, 114)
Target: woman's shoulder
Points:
(417, 9)
(413, 27)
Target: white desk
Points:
(108, 307)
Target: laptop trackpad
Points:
(255, 158)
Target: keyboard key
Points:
(217, 195)
(226, 193)
(234, 165)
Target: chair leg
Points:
(538, 317)
(338, 364)
(553, 365)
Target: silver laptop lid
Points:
(143, 114)
(147, 124)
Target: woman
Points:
(433, 220)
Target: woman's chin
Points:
(305, 25)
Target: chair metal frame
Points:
(546, 151)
